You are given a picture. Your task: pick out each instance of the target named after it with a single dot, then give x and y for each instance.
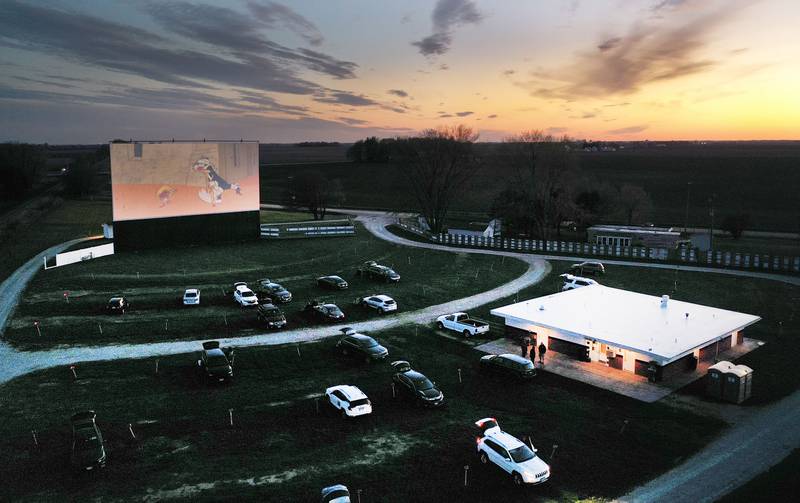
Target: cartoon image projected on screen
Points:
(215, 184)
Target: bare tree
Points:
(634, 204)
(313, 191)
(542, 182)
(438, 163)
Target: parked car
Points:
(336, 494)
(88, 449)
(191, 297)
(274, 291)
(376, 271)
(117, 305)
(271, 316)
(244, 296)
(509, 364)
(354, 344)
(588, 267)
(572, 282)
(381, 303)
(461, 323)
(214, 363)
(415, 385)
(509, 453)
(349, 400)
(323, 311)
(332, 282)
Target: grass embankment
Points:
(780, 483)
(284, 216)
(155, 280)
(70, 219)
(280, 449)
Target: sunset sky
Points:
(93, 70)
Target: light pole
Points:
(711, 230)
(686, 218)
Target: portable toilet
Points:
(715, 378)
(738, 384)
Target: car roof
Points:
(382, 297)
(192, 290)
(516, 358)
(215, 352)
(115, 299)
(414, 375)
(356, 335)
(503, 438)
(333, 276)
(350, 392)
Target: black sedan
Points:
(117, 305)
(88, 449)
(322, 311)
(509, 364)
(274, 291)
(416, 386)
(332, 282)
(360, 345)
(215, 364)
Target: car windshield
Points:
(423, 383)
(367, 342)
(248, 293)
(390, 272)
(331, 309)
(217, 361)
(522, 454)
(191, 294)
(359, 402)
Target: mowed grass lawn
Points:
(280, 449)
(154, 282)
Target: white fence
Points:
(327, 228)
(81, 255)
(683, 256)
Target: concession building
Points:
(655, 337)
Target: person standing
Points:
(542, 351)
(524, 344)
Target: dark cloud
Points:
(609, 44)
(353, 122)
(588, 115)
(444, 66)
(669, 4)
(509, 73)
(624, 104)
(627, 130)
(246, 62)
(434, 45)
(556, 130)
(51, 83)
(241, 34)
(398, 92)
(274, 14)
(447, 15)
(648, 54)
(464, 114)
(445, 116)
(335, 97)
(493, 116)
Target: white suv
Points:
(572, 282)
(510, 454)
(191, 297)
(380, 303)
(351, 401)
(243, 295)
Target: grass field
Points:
(754, 179)
(69, 220)
(280, 449)
(280, 217)
(778, 484)
(154, 282)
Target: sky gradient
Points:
(87, 71)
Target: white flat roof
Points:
(628, 320)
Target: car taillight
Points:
(478, 440)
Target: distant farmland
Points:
(761, 179)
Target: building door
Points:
(616, 362)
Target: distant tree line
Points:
(20, 165)
(317, 144)
(370, 150)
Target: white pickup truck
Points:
(460, 322)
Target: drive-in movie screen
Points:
(158, 180)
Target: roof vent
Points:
(664, 300)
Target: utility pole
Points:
(711, 230)
(686, 218)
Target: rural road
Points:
(755, 443)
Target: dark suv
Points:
(374, 270)
(271, 316)
(588, 267)
(415, 385)
(215, 363)
(88, 449)
(509, 364)
(360, 345)
(274, 291)
(117, 305)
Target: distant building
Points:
(489, 229)
(630, 235)
(655, 337)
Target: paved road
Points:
(748, 448)
(755, 443)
